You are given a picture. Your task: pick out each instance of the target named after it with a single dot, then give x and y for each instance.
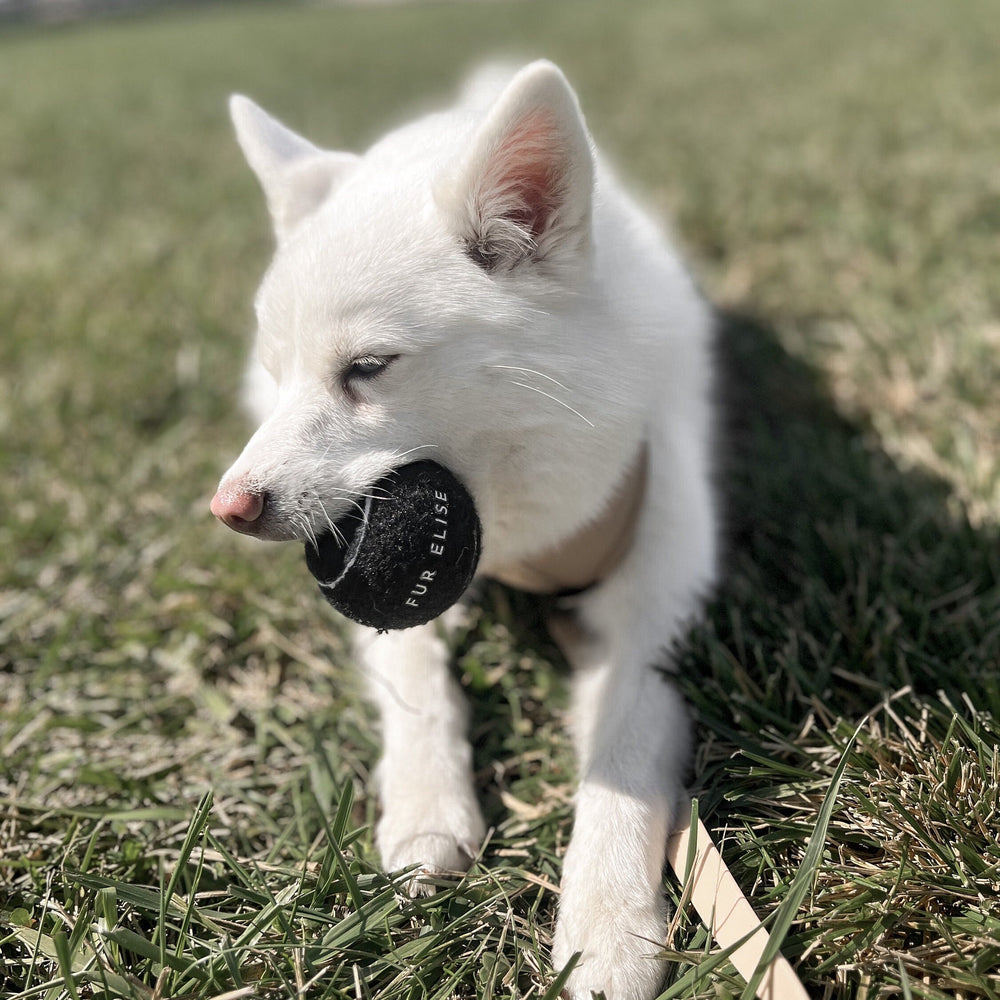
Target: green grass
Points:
(183, 748)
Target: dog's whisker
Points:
(555, 399)
(410, 451)
(307, 522)
(374, 493)
(302, 522)
(334, 530)
(310, 529)
(358, 506)
(531, 371)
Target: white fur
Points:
(535, 375)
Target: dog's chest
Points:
(591, 552)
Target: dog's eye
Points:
(366, 368)
(369, 366)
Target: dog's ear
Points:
(524, 190)
(296, 176)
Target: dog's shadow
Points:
(846, 578)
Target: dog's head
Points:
(428, 299)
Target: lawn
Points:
(183, 749)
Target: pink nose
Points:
(240, 509)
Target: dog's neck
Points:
(592, 552)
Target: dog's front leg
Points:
(632, 735)
(430, 817)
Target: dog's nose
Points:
(240, 509)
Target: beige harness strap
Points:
(592, 552)
(727, 913)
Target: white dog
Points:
(477, 289)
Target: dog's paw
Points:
(618, 946)
(431, 822)
(428, 854)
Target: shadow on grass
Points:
(846, 578)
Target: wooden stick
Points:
(727, 912)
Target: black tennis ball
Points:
(407, 556)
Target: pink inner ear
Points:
(524, 177)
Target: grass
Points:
(183, 749)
